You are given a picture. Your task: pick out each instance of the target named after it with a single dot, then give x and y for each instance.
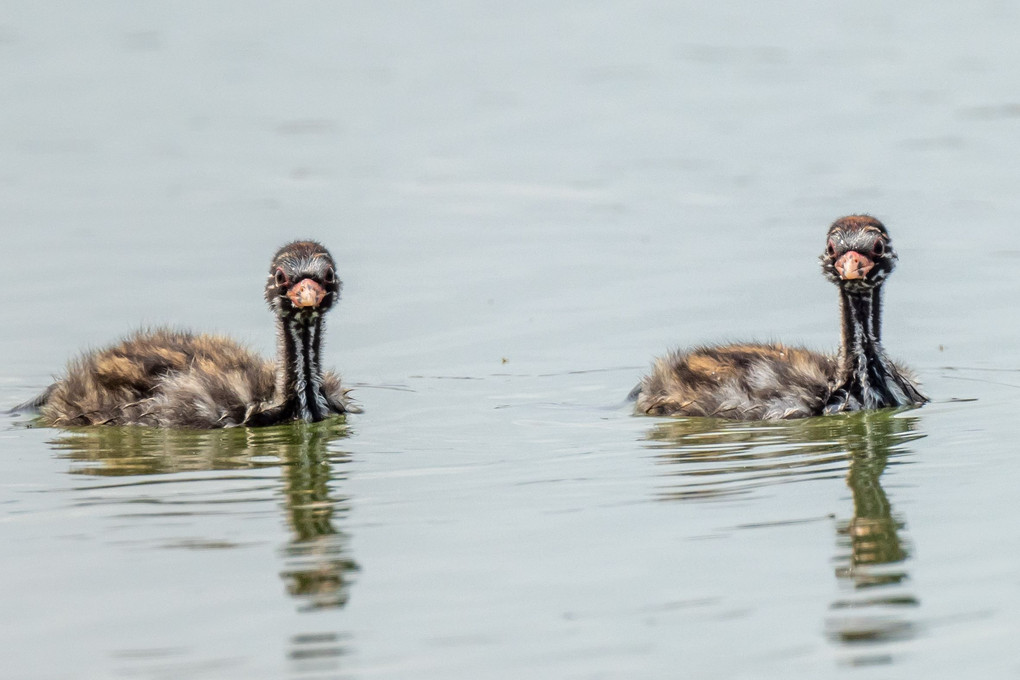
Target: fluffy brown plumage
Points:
(772, 381)
(168, 378)
(739, 382)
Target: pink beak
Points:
(306, 293)
(852, 265)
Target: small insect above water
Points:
(773, 381)
(169, 378)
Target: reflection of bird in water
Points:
(317, 564)
(709, 459)
(871, 548)
(872, 532)
(170, 378)
(772, 381)
(317, 567)
(869, 440)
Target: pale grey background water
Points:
(527, 201)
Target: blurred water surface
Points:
(527, 202)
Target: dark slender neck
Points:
(859, 340)
(298, 367)
(865, 370)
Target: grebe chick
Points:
(775, 382)
(168, 378)
(858, 257)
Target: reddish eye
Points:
(330, 275)
(831, 248)
(281, 278)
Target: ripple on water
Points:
(705, 458)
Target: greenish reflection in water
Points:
(317, 568)
(713, 460)
(871, 549)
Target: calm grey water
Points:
(527, 201)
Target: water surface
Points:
(526, 203)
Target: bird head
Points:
(858, 253)
(302, 281)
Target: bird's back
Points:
(161, 377)
(739, 382)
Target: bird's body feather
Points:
(169, 378)
(775, 382)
